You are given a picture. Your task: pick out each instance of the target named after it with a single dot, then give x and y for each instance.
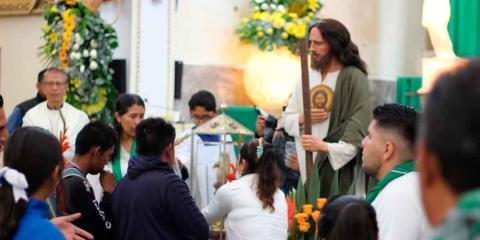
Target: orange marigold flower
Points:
(304, 227)
(69, 25)
(321, 202)
(62, 55)
(307, 209)
(316, 215)
(301, 217)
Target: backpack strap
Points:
(71, 171)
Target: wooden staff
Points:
(307, 119)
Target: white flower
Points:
(77, 37)
(256, 8)
(93, 65)
(93, 54)
(93, 43)
(85, 53)
(275, 1)
(259, 1)
(264, 6)
(280, 8)
(75, 55)
(76, 46)
(82, 68)
(273, 6)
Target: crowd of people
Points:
(388, 173)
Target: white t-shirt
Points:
(400, 213)
(340, 153)
(246, 218)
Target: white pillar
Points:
(151, 74)
(401, 39)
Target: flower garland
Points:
(81, 43)
(278, 23)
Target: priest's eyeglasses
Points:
(53, 84)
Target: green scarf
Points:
(464, 221)
(117, 170)
(398, 171)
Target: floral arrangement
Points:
(303, 218)
(80, 42)
(278, 23)
(307, 219)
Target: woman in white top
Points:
(254, 206)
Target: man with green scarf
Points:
(388, 152)
(340, 111)
(448, 153)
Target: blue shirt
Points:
(15, 120)
(34, 223)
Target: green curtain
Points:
(464, 27)
(407, 91)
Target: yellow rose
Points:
(75, 82)
(265, 16)
(53, 37)
(54, 9)
(269, 31)
(260, 34)
(304, 227)
(290, 27)
(307, 209)
(316, 215)
(321, 202)
(293, 15)
(300, 31)
(256, 15)
(278, 23)
(97, 106)
(284, 35)
(301, 217)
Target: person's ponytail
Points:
(10, 211)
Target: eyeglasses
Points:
(203, 118)
(52, 84)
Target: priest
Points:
(56, 116)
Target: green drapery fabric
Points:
(247, 116)
(407, 91)
(464, 27)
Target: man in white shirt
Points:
(205, 151)
(58, 117)
(388, 152)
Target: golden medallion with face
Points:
(321, 96)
